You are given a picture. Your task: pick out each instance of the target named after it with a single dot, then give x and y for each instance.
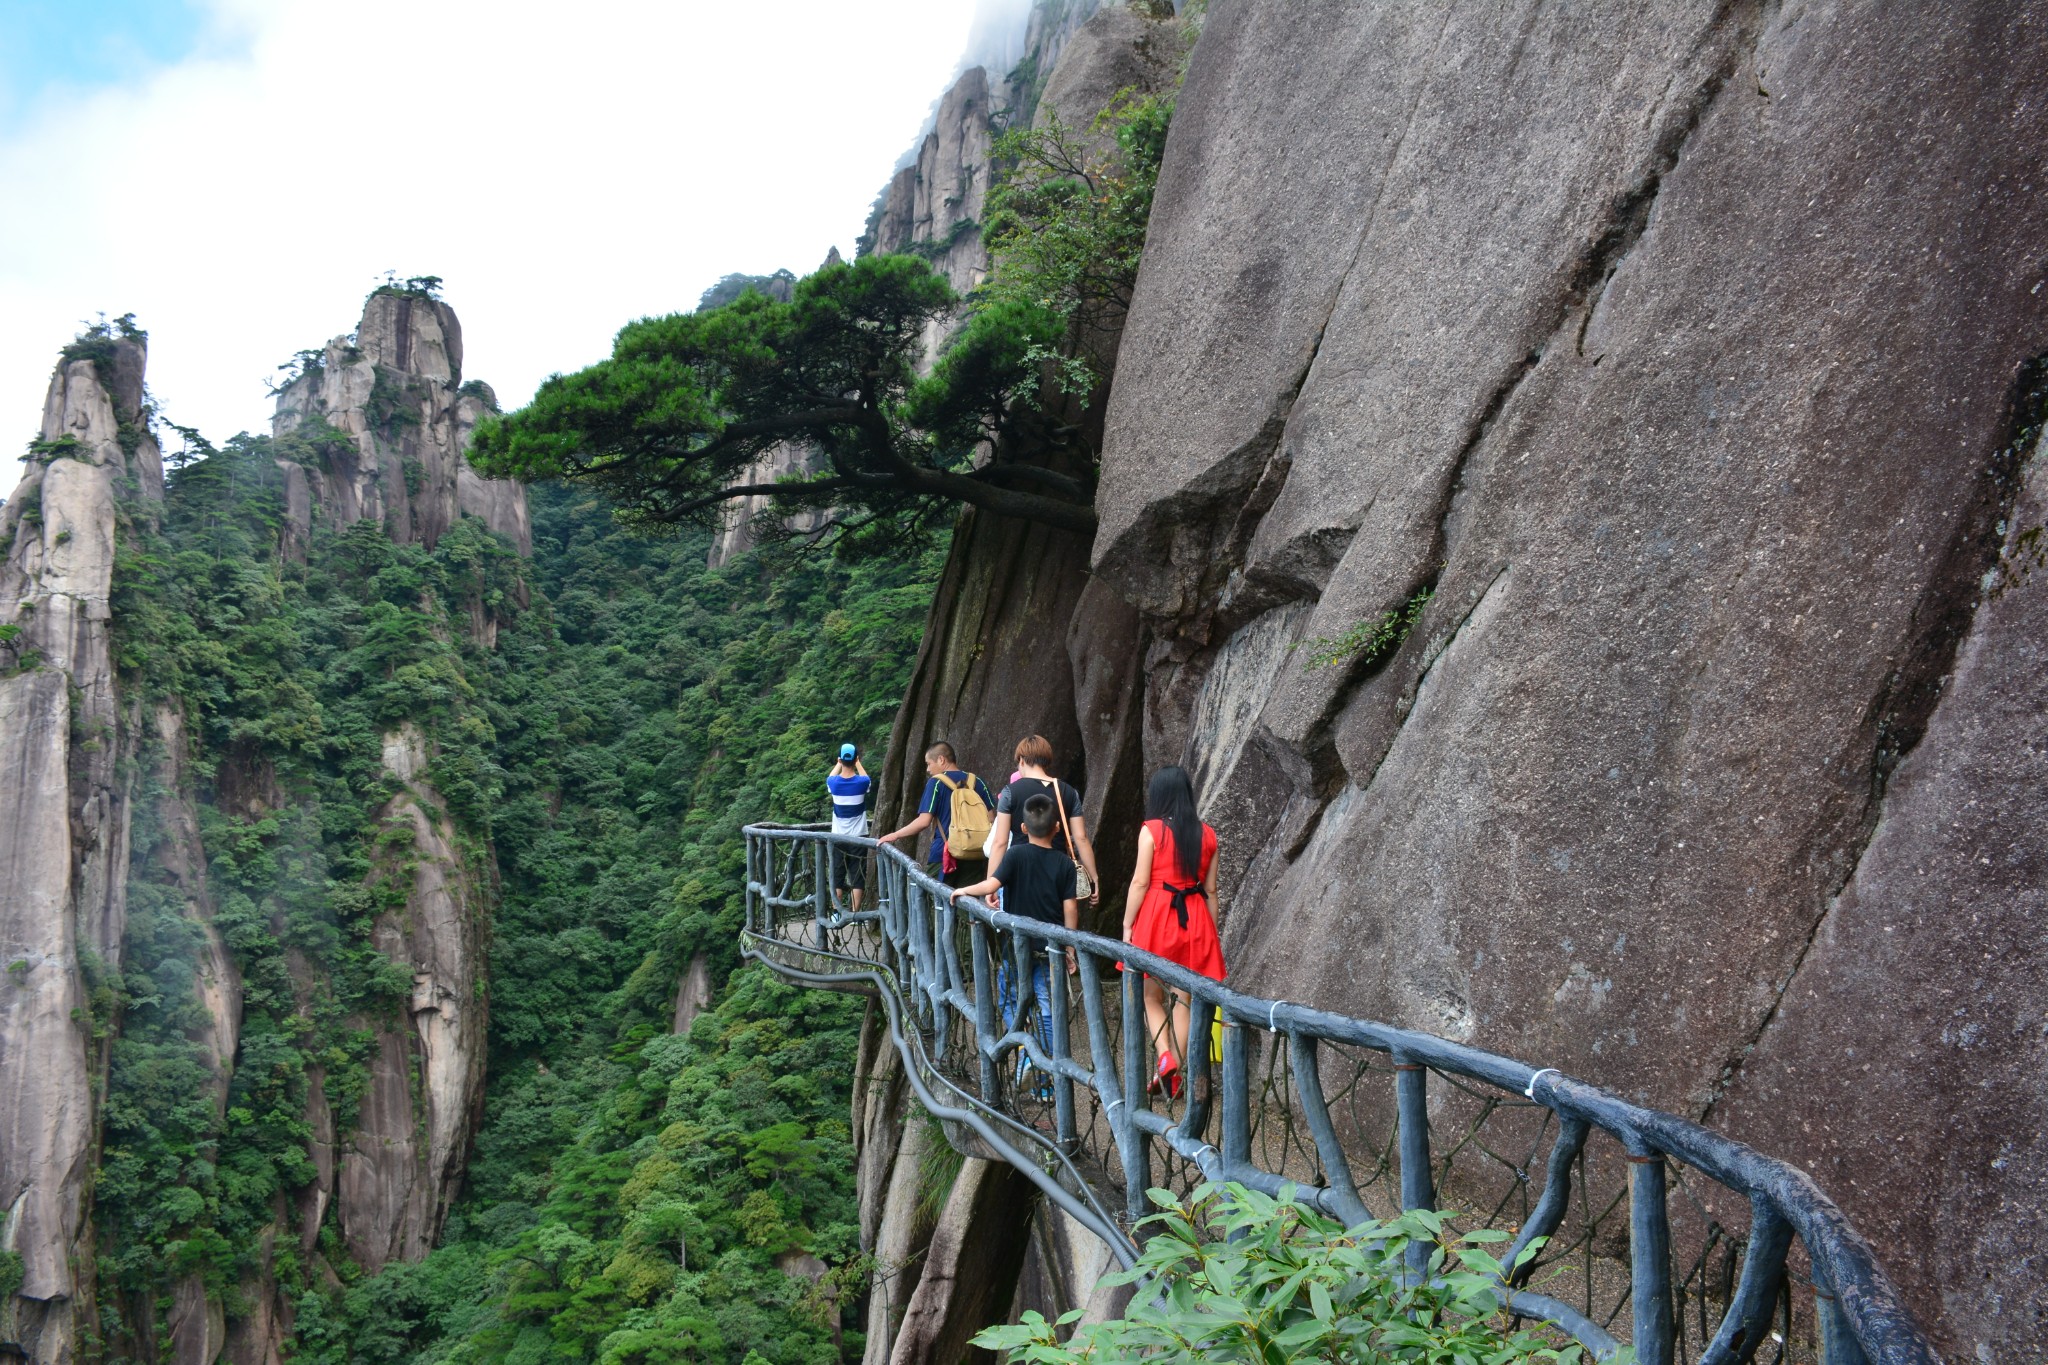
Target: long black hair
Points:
(1171, 798)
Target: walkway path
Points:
(1662, 1234)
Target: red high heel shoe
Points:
(1167, 1079)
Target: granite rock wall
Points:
(67, 750)
(1660, 378)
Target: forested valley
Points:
(631, 1192)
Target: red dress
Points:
(1158, 928)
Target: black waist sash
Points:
(1180, 899)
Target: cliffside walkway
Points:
(1662, 1234)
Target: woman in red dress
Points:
(1167, 911)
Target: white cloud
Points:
(566, 168)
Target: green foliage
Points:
(671, 425)
(12, 1271)
(781, 287)
(693, 1164)
(65, 447)
(1371, 641)
(1066, 227)
(286, 677)
(414, 286)
(301, 365)
(597, 762)
(96, 342)
(1234, 1275)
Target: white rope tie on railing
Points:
(1546, 1071)
(1272, 1009)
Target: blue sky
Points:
(79, 43)
(240, 173)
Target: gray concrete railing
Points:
(1648, 1216)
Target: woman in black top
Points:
(1034, 759)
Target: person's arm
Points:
(1085, 851)
(859, 769)
(923, 821)
(1070, 910)
(1141, 877)
(999, 837)
(980, 888)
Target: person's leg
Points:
(1156, 1019)
(1041, 990)
(1183, 1008)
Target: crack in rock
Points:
(1945, 616)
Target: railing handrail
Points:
(1858, 1306)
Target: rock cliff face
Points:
(396, 389)
(401, 1167)
(1665, 389)
(66, 751)
(385, 419)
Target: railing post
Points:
(1748, 1319)
(747, 891)
(1062, 1048)
(985, 1034)
(1237, 1096)
(1418, 1189)
(821, 894)
(1137, 1153)
(941, 966)
(1195, 1067)
(1302, 1051)
(1649, 1237)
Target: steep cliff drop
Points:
(1020, 640)
(66, 748)
(1559, 464)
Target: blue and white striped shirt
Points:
(849, 803)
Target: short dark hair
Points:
(1035, 750)
(1039, 816)
(941, 749)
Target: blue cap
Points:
(846, 753)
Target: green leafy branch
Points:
(1371, 640)
(1235, 1275)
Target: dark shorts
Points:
(966, 873)
(849, 868)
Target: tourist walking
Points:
(956, 807)
(848, 784)
(1037, 882)
(1168, 912)
(1070, 836)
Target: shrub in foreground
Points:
(1234, 1275)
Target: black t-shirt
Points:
(1037, 882)
(1011, 803)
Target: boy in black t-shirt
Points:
(1038, 883)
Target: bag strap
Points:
(1061, 802)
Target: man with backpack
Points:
(958, 807)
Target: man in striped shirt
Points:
(848, 784)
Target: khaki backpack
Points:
(968, 828)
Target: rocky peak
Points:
(395, 389)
